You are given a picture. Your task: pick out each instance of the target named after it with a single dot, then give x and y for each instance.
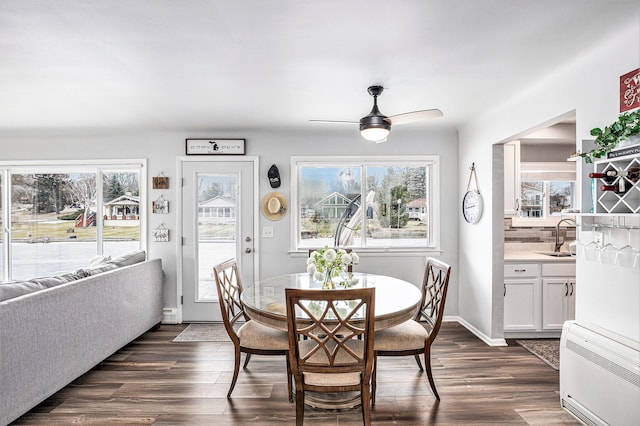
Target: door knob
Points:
(247, 239)
(247, 250)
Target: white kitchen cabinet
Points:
(538, 298)
(558, 302)
(512, 178)
(521, 305)
(558, 294)
(521, 297)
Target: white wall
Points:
(162, 147)
(589, 84)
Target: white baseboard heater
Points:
(599, 376)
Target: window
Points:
(365, 203)
(58, 217)
(546, 189)
(542, 199)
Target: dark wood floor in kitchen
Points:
(155, 381)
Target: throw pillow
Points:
(129, 258)
(98, 260)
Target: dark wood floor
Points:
(155, 381)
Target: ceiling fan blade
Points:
(411, 117)
(334, 121)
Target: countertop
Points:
(530, 256)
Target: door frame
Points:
(256, 214)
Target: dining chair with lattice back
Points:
(331, 358)
(415, 337)
(251, 337)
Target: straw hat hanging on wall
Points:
(274, 206)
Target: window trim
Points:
(433, 163)
(60, 166)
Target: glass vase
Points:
(327, 281)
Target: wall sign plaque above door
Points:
(215, 146)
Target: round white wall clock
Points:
(472, 206)
(472, 200)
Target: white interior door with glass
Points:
(218, 214)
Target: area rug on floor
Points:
(548, 350)
(208, 332)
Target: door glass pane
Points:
(325, 195)
(217, 228)
(121, 211)
(396, 206)
(53, 223)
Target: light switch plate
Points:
(267, 232)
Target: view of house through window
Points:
(546, 198)
(217, 227)
(365, 204)
(60, 219)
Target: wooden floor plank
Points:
(156, 381)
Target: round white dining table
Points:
(396, 300)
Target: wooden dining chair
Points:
(251, 337)
(414, 337)
(326, 355)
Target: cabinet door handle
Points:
(517, 204)
(520, 270)
(566, 289)
(571, 283)
(505, 289)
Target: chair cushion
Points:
(258, 336)
(342, 358)
(408, 335)
(337, 379)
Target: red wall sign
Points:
(630, 90)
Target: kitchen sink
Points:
(555, 253)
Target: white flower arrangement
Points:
(327, 263)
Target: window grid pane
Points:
(54, 214)
(390, 200)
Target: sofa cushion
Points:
(15, 289)
(104, 267)
(18, 288)
(57, 280)
(128, 258)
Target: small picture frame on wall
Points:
(160, 182)
(215, 146)
(160, 206)
(161, 234)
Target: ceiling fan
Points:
(375, 126)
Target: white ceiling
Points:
(217, 64)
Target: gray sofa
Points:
(51, 336)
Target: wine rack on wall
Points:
(623, 195)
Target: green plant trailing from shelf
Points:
(606, 140)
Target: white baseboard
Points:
(480, 335)
(170, 316)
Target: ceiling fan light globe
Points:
(375, 134)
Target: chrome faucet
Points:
(558, 242)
